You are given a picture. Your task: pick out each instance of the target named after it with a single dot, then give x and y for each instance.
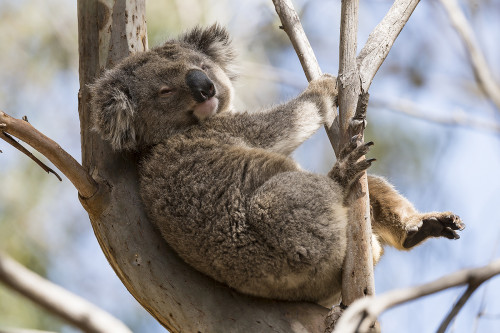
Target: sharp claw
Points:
(355, 138)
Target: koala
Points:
(220, 185)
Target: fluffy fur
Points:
(222, 188)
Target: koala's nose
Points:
(202, 88)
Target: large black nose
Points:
(202, 88)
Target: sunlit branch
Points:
(382, 38)
(23, 130)
(57, 300)
(291, 24)
(10, 140)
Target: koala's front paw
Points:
(347, 170)
(434, 225)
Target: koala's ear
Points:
(215, 42)
(113, 110)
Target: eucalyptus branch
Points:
(364, 311)
(23, 130)
(10, 140)
(382, 38)
(480, 67)
(291, 24)
(357, 271)
(57, 300)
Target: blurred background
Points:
(438, 166)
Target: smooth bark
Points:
(57, 300)
(180, 298)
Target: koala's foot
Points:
(434, 225)
(347, 170)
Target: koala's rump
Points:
(206, 197)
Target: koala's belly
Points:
(200, 198)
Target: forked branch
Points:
(10, 140)
(23, 130)
(364, 311)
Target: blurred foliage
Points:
(43, 226)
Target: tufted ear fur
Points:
(113, 111)
(215, 42)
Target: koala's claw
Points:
(434, 225)
(349, 168)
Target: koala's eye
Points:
(166, 90)
(204, 67)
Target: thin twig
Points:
(57, 300)
(457, 307)
(18, 146)
(364, 311)
(23, 130)
(479, 64)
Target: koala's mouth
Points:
(206, 109)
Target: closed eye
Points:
(166, 90)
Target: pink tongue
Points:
(206, 109)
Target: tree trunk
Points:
(180, 298)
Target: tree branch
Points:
(10, 140)
(57, 300)
(364, 311)
(382, 38)
(457, 307)
(457, 118)
(357, 272)
(23, 130)
(480, 67)
(291, 24)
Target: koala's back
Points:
(199, 187)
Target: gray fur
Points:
(220, 185)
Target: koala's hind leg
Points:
(432, 225)
(301, 219)
(397, 223)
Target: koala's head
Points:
(151, 95)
